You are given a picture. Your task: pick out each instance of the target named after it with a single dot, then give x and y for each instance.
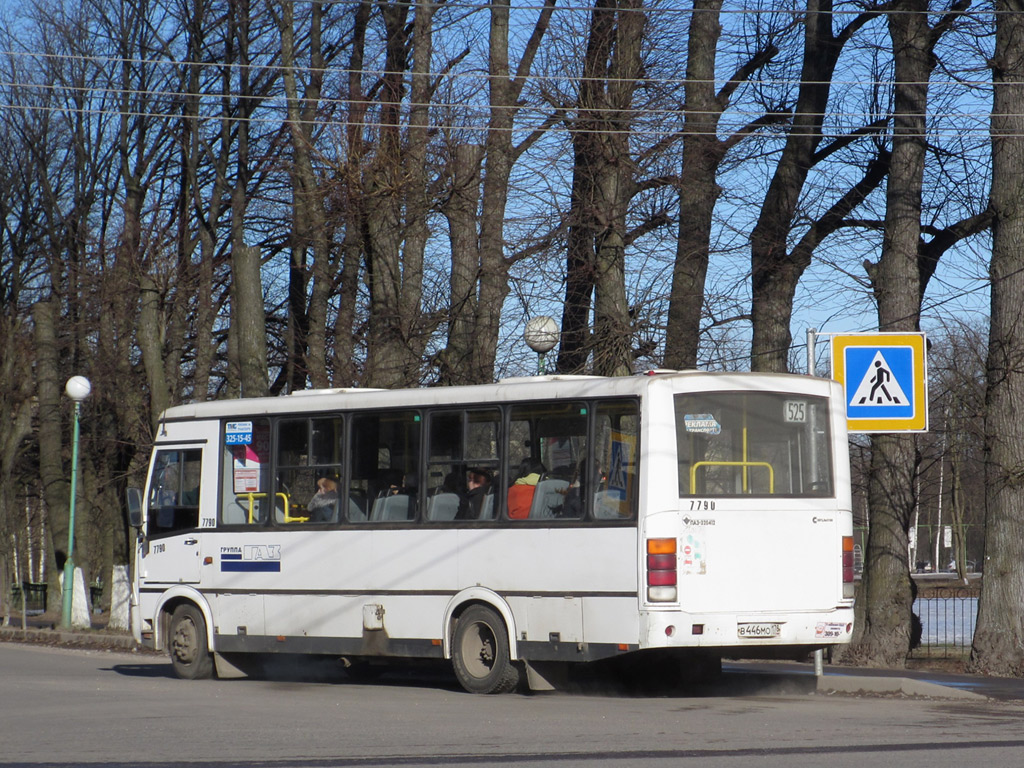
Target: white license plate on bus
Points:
(759, 629)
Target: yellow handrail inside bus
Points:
(282, 496)
(744, 464)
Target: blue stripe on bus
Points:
(256, 566)
(231, 557)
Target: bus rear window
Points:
(753, 444)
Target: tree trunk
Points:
(387, 192)
(456, 361)
(16, 403)
(613, 327)
(493, 269)
(51, 442)
(346, 369)
(775, 271)
(884, 636)
(248, 313)
(999, 637)
(149, 335)
(603, 186)
(310, 239)
(574, 350)
(698, 188)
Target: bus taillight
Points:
(661, 570)
(848, 566)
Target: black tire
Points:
(186, 644)
(480, 652)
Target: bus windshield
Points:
(753, 443)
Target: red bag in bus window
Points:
(520, 495)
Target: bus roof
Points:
(527, 387)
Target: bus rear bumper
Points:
(758, 632)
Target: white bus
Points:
(674, 518)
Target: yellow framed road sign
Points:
(885, 380)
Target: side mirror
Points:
(134, 498)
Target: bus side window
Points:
(174, 491)
(547, 443)
(308, 470)
(462, 444)
(616, 452)
(246, 472)
(383, 475)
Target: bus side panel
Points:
(337, 583)
(318, 583)
(562, 584)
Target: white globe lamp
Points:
(78, 388)
(541, 336)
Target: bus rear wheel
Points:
(190, 654)
(480, 652)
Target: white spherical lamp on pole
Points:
(541, 336)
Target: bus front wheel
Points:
(190, 655)
(480, 652)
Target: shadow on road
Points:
(585, 680)
(155, 669)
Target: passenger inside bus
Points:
(323, 507)
(478, 482)
(520, 494)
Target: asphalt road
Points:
(74, 707)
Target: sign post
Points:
(884, 377)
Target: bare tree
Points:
(397, 204)
(775, 268)
(998, 646)
(310, 237)
(248, 314)
(604, 184)
(884, 635)
(348, 200)
(698, 187)
(480, 176)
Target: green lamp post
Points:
(77, 388)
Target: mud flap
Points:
(546, 675)
(225, 669)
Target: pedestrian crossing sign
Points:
(884, 380)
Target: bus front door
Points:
(172, 550)
(171, 559)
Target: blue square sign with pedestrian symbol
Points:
(883, 377)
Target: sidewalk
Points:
(907, 682)
(44, 629)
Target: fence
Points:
(35, 597)
(948, 617)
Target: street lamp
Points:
(541, 335)
(77, 388)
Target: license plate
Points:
(764, 629)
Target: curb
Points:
(901, 685)
(68, 637)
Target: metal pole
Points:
(811, 336)
(69, 564)
(812, 333)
